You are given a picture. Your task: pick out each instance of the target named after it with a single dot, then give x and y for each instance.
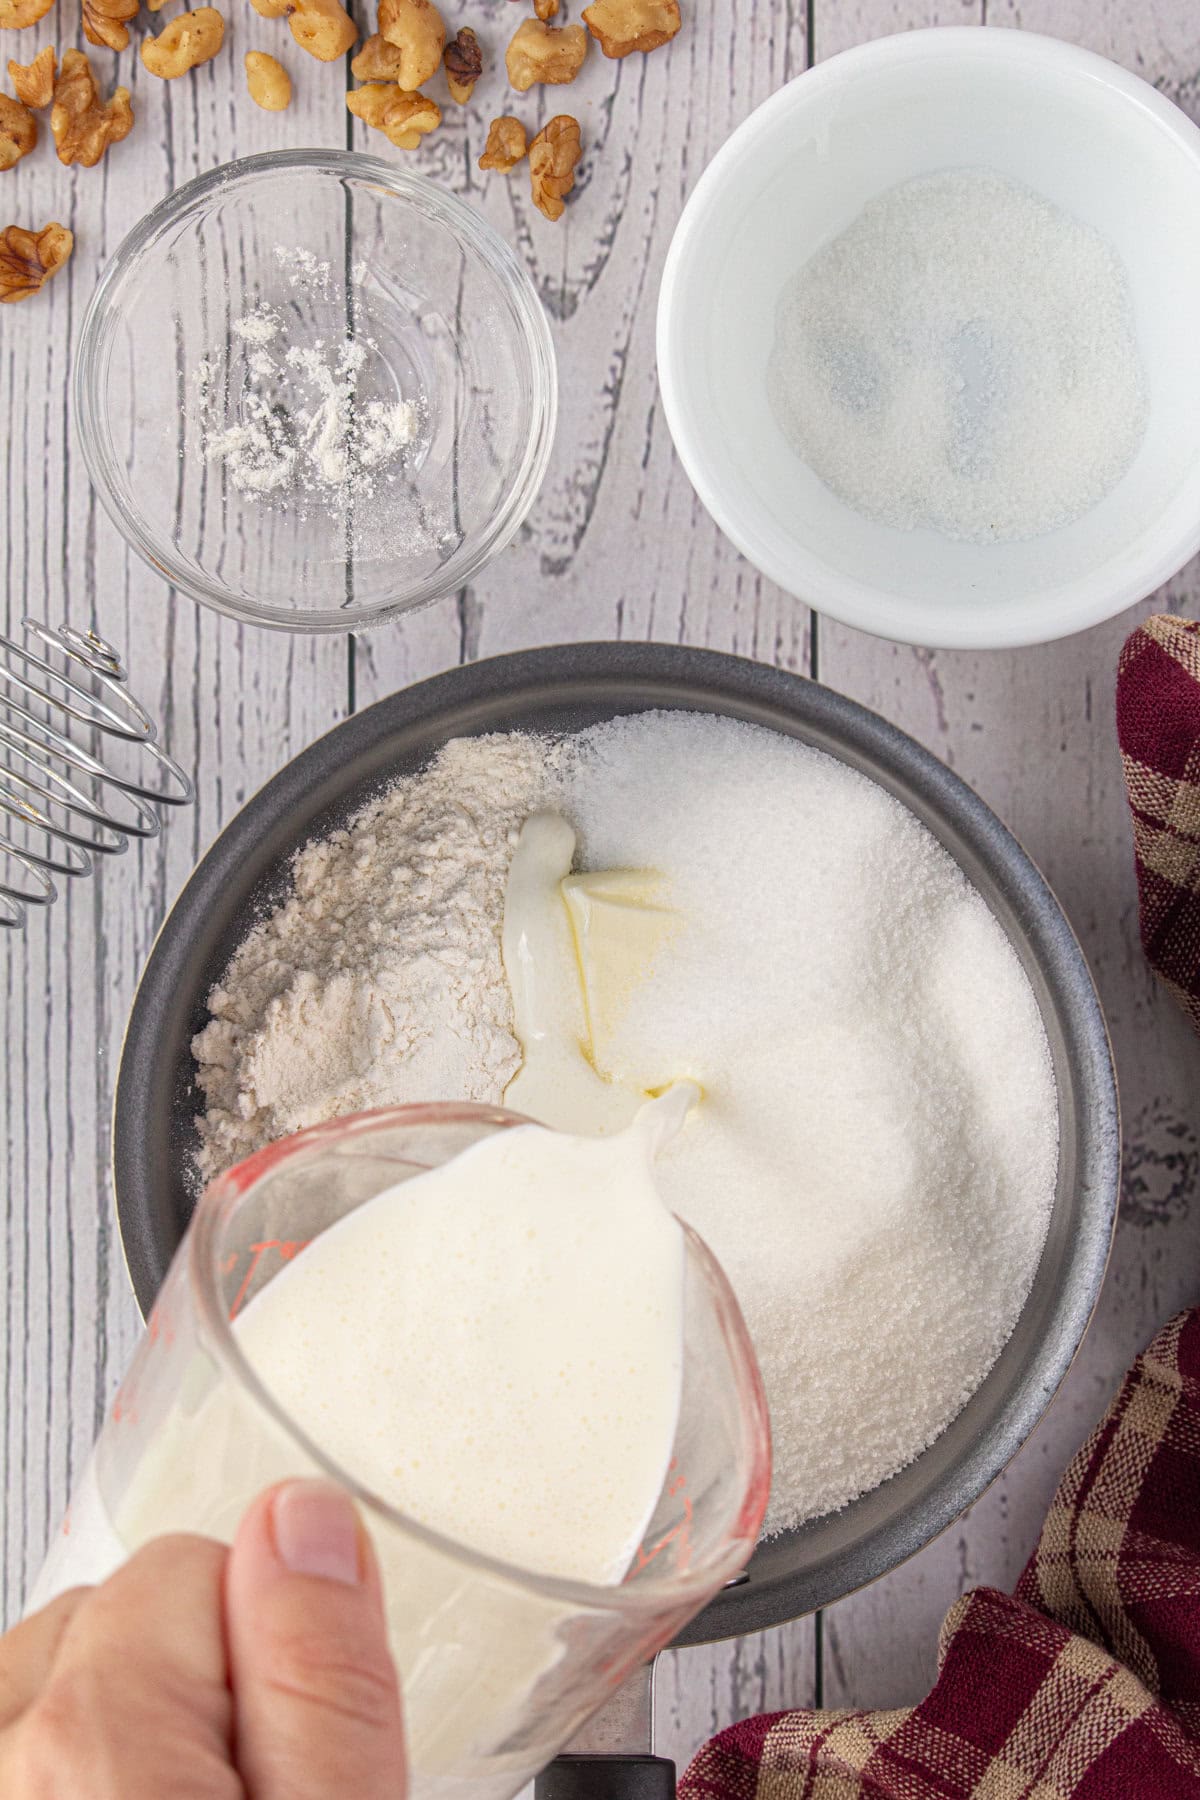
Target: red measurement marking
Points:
(680, 1534)
(287, 1248)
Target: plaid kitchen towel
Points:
(1158, 727)
(1084, 1686)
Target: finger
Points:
(28, 1651)
(316, 1699)
(137, 1702)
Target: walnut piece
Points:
(506, 144)
(15, 15)
(415, 27)
(269, 83)
(106, 22)
(18, 131)
(546, 9)
(377, 60)
(29, 258)
(545, 53)
(464, 65)
(622, 26)
(322, 27)
(184, 43)
(403, 118)
(33, 83)
(266, 9)
(82, 124)
(552, 158)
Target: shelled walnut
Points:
(29, 258)
(416, 28)
(18, 131)
(266, 9)
(622, 26)
(84, 125)
(545, 54)
(186, 41)
(403, 118)
(553, 155)
(267, 81)
(33, 82)
(506, 144)
(106, 22)
(464, 65)
(377, 60)
(322, 27)
(15, 15)
(546, 9)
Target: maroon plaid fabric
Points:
(1158, 727)
(1084, 1686)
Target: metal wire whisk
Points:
(58, 802)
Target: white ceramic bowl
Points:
(1092, 138)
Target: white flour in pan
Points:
(875, 1157)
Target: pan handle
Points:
(592, 1777)
(610, 1758)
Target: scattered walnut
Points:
(377, 60)
(184, 43)
(266, 9)
(464, 65)
(620, 26)
(506, 144)
(33, 83)
(403, 118)
(552, 158)
(545, 53)
(106, 22)
(29, 258)
(82, 124)
(322, 27)
(15, 15)
(416, 29)
(546, 9)
(18, 131)
(268, 81)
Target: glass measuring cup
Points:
(500, 1666)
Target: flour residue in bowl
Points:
(875, 1155)
(297, 412)
(963, 358)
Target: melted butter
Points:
(575, 948)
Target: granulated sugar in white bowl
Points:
(1066, 150)
(875, 1156)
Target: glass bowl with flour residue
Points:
(315, 391)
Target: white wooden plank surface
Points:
(616, 546)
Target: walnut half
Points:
(186, 41)
(15, 15)
(544, 54)
(322, 27)
(622, 26)
(18, 132)
(106, 22)
(417, 30)
(83, 126)
(552, 158)
(506, 144)
(403, 118)
(29, 258)
(464, 65)
(33, 83)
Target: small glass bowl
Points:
(258, 315)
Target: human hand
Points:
(197, 1672)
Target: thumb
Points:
(316, 1699)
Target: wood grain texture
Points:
(617, 546)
